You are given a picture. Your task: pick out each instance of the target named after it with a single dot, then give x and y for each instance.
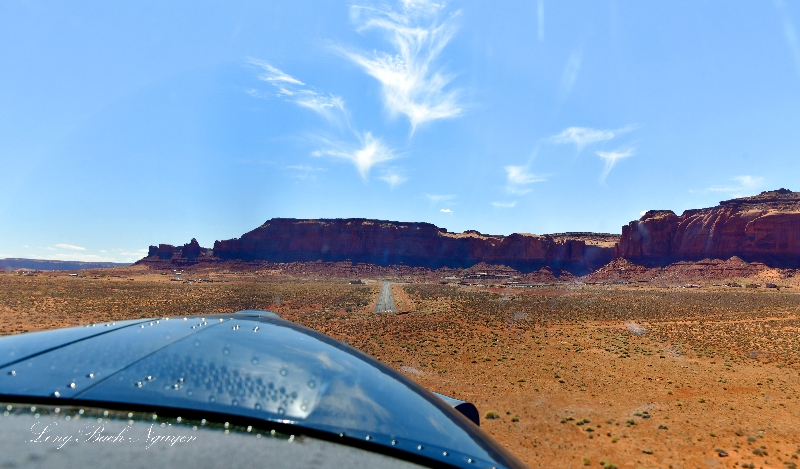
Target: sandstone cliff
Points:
(188, 253)
(763, 228)
(414, 244)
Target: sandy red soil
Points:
(636, 375)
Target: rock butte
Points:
(764, 228)
(387, 242)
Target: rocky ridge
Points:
(189, 253)
(764, 228)
(384, 242)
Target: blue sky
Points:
(128, 125)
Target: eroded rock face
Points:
(763, 228)
(164, 251)
(414, 244)
(190, 251)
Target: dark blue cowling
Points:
(253, 365)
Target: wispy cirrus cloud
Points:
(303, 167)
(439, 198)
(273, 75)
(410, 82)
(743, 185)
(570, 74)
(789, 33)
(70, 246)
(329, 106)
(368, 153)
(304, 172)
(519, 177)
(446, 210)
(393, 178)
(504, 204)
(583, 136)
(540, 20)
(611, 157)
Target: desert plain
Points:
(634, 374)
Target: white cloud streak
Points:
(446, 210)
(273, 75)
(504, 204)
(540, 18)
(304, 172)
(570, 74)
(789, 33)
(583, 136)
(330, 107)
(517, 190)
(70, 246)
(611, 157)
(746, 185)
(519, 177)
(305, 168)
(393, 179)
(370, 152)
(410, 84)
(437, 198)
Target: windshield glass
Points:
(46, 436)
